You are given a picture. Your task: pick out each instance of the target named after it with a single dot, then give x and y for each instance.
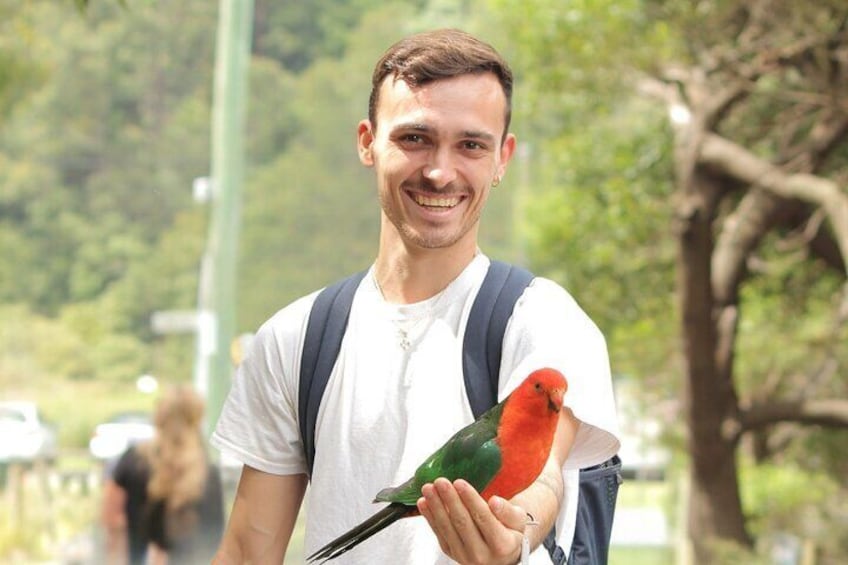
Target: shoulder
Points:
(130, 465)
(547, 310)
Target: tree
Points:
(758, 167)
(740, 179)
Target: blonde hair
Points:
(177, 458)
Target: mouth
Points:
(437, 202)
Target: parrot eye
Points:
(538, 386)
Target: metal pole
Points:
(218, 300)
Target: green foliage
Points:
(599, 223)
(298, 34)
(787, 499)
(20, 70)
(799, 307)
(802, 496)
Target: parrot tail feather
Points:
(347, 541)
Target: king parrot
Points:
(499, 454)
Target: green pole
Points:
(218, 280)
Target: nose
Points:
(440, 169)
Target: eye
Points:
(472, 146)
(538, 387)
(411, 141)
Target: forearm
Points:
(262, 519)
(246, 541)
(114, 520)
(116, 546)
(542, 500)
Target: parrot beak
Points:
(555, 399)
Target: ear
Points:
(364, 141)
(506, 153)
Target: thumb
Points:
(510, 515)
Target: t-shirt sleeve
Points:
(549, 329)
(258, 422)
(122, 469)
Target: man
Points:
(437, 138)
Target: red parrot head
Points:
(544, 388)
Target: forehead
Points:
(463, 103)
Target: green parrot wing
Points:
(471, 454)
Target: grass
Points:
(41, 513)
(641, 556)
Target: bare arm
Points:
(542, 499)
(263, 517)
(114, 520)
(472, 530)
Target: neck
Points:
(407, 275)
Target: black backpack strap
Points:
(321, 345)
(484, 332)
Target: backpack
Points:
(481, 359)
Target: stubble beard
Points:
(434, 239)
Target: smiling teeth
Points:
(436, 202)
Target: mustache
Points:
(426, 186)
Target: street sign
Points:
(174, 321)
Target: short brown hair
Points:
(439, 54)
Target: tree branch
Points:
(830, 413)
(735, 161)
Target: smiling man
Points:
(437, 139)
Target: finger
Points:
(438, 516)
(469, 539)
(424, 506)
(502, 539)
(510, 515)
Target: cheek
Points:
(482, 194)
(397, 167)
(389, 158)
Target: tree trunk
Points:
(715, 509)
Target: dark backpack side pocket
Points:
(595, 511)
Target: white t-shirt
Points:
(389, 404)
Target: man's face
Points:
(436, 150)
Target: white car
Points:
(113, 437)
(24, 436)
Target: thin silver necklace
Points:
(404, 328)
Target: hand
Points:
(470, 530)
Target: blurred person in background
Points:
(163, 502)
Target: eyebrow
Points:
(424, 128)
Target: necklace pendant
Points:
(404, 340)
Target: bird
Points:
(499, 454)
